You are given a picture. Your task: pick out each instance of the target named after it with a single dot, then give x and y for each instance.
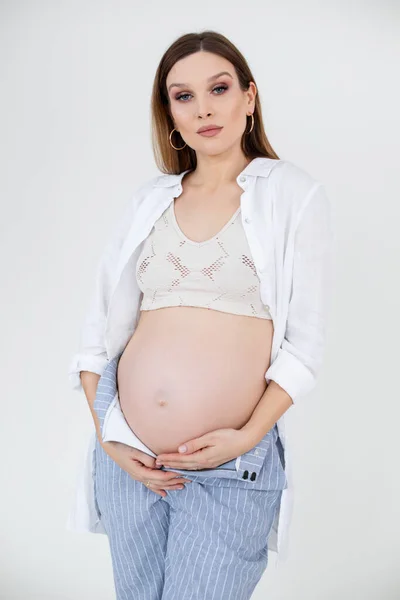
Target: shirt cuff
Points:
(85, 362)
(291, 374)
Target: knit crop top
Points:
(218, 273)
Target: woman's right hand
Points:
(142, 467)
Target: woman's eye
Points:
(218, 87)
(221, 87)
(182, 96)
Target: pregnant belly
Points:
(187, 371)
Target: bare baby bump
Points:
(187, 371)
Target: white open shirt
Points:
(287, 218)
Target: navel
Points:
(161, 399)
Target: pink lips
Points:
(210, 132)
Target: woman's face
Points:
(207, 92)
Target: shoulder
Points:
(139, 194)
(293, 188)
(165, 180)
(145, 187)
(290, 178)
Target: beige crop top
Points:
(218, 273)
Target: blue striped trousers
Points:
(207, 541)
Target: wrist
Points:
(249, 438)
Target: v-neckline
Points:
(180, 232)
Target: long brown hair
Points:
(171, 161)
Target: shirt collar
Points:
(258, 167)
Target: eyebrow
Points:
(208, 80)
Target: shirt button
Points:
(242, 178)
(256, 452)
(247, 220)
(266, 306)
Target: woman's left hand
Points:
(208, 451)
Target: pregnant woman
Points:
(207, 324)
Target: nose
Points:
(204, 114)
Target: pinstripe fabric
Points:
(208, 541)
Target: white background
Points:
(75, 82)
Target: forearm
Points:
(89, 384)
(271, 406)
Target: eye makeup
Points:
(216, 87)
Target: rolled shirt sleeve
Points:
(301, 353)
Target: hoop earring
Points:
(252, 124)
(172, 143)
